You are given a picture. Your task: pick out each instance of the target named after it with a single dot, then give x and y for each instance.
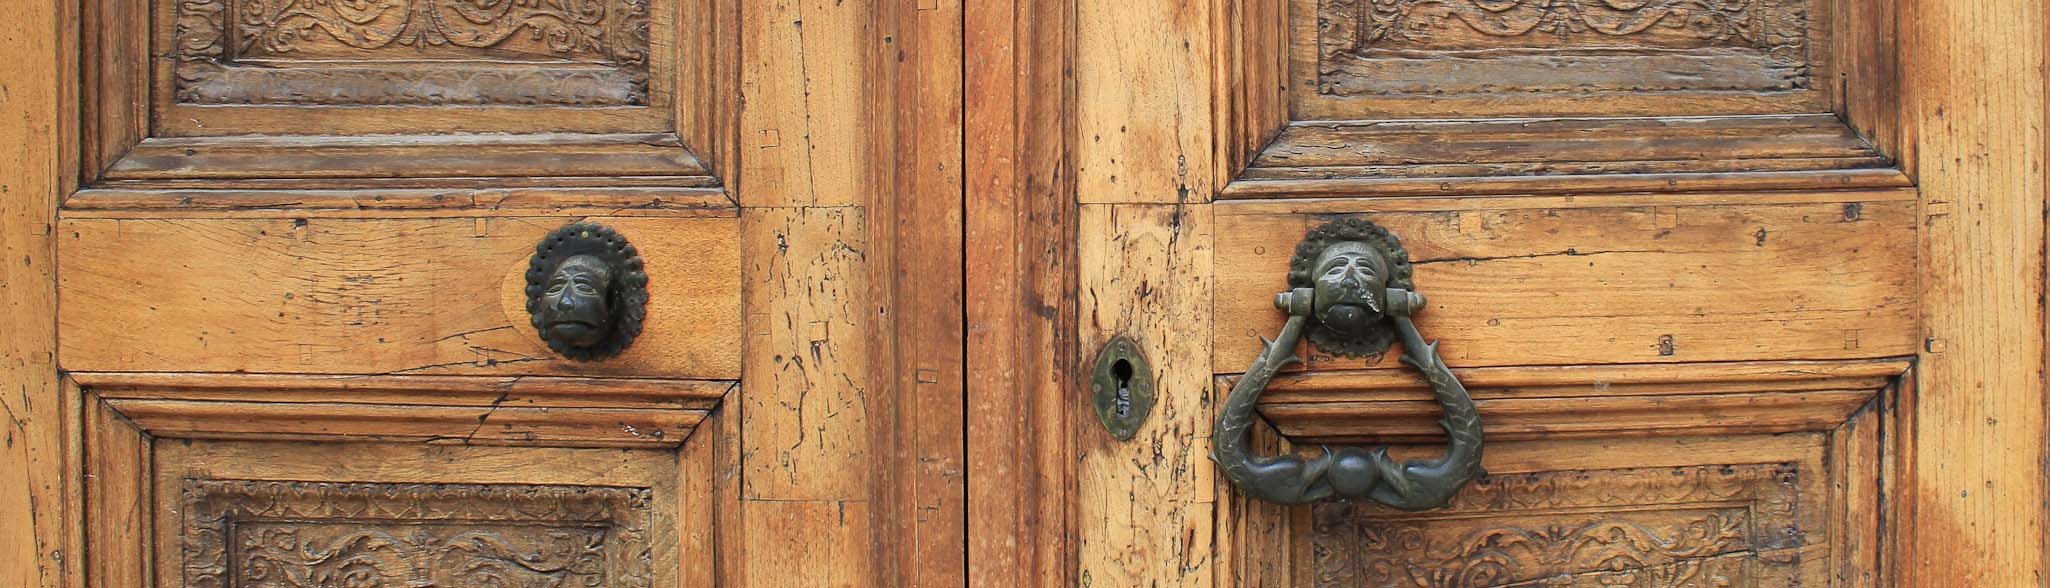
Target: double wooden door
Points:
(653, 293)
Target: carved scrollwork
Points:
(1697, 526)
(1718, 22)
(274, 534)
(453, 52)
(1440, 47)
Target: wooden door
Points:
(272, 266)
(1746, 293)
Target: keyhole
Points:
(1123, 371)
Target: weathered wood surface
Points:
(1371, 158)
(1548, 403)
(1462, 59)
(1973, 111)
(1544, 286)
(1143, 102)
(630, 494)
(37, 496)
(850, 182)
(1145, 508)
(1739, 524)
(1020, 263)
(807, 416)
(375, 296)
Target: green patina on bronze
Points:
(1350, 294)
(586, 292)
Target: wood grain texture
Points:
(917, 216)
(413, 158)
(850, 182)
(807, 129)
(36, 496)
(1378, 158)
(1533, 403)
(1619, 285)
(1403, 59)
(1548, 504)
(232, 70)
(527, 391)
(806, 416)
(1973, 109)
(117, 462)
(1021, 345)
(1258, 541)
(1252, 89)
(374, 296)
(427, 409)
(1145, 508)
(439, 483)
(462, 198)
(1143, 102)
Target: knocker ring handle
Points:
(1351, 295)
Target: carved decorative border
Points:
(602, 45)
(1706, 524)
(249, 533)
(1393, 47)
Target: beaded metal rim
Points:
(1300, 268)
(628, 294)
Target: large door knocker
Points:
(1350, 293)
(586, 291)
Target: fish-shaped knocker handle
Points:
(1350, 294)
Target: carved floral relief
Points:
(1705, 526)
(269, 534)
(412, 52)
(1390, 47)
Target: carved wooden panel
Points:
(274, 534)
(412, 52)
(1713, 525)
(1431, 59)
(1433, 47)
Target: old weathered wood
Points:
(38, 499)
(375, 296)
(1615, 285)
(619, 506)
(1429, 60)
(1539, 403)
(916, 218)
(117, 460)
(446, 409)
(808, 124)
(1973, 111)
(1145, 508)
(530, 391)
(1369, 158)
(1143, 102)
(456, 198)
(1251, 80)
(806, 416)
(1020, 265)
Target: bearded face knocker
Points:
(586, 292)
(1350, 294)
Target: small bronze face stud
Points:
(586, 292)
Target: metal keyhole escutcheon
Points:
(1122, 388)
(587, 292)
(1350, 294)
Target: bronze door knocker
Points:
(1350, 294)
(586, 292)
